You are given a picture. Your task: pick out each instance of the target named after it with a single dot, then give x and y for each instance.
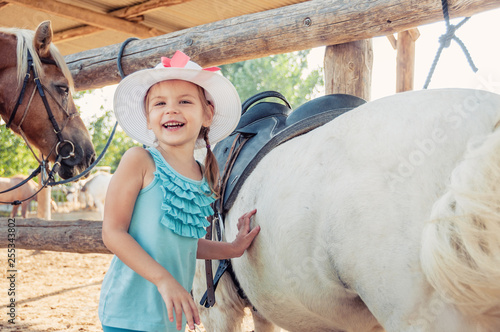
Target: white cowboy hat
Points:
(128, 102)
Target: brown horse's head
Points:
(32, 119)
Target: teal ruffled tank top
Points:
(167, 221)
(186, 202)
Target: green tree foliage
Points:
(285, 73)
(100, 128)
(15, 157)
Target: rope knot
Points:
(446, 38)
(445, 41)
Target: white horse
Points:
(95, 190)
(386, 218)
(89, 193)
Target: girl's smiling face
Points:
(176, 111)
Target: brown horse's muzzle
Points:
(82, 157)
(77, 151)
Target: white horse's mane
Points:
(25, 42)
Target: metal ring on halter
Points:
(71, 154)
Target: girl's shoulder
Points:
(137, 156)
(137, 161)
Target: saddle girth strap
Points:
(210, 293)
(208, 299)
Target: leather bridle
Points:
(43, 92)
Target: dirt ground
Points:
(55, 291)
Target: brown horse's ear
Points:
(43, 38)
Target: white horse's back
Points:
(342, 210)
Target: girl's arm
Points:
(132, 173)
(221, 250)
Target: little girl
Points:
(158, 198)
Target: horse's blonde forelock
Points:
(62, 65)
(25, 42)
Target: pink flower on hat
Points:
(180, 60)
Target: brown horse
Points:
(32, 118)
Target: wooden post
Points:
(43, 199)
(405, 63)
(348, 68)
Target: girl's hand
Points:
(245, 236)
(178, 300)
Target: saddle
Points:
(265, 126)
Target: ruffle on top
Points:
(186, 202)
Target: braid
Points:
(211, 167)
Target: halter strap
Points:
(47, 108)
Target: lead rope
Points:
(445, 41)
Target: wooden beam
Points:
(414, 34)
(348, 68)
(131, 13)
(405, 60)
(80, 236)
(89, 17)
(393, 41)
(296, 27)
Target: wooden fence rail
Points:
(81, 236)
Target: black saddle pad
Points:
(266, 125)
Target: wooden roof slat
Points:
(130, 13)
(145, 7)
(75, 33)
(3, 4)
(90, 17)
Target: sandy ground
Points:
(55, 291)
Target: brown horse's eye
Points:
(63, 90)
